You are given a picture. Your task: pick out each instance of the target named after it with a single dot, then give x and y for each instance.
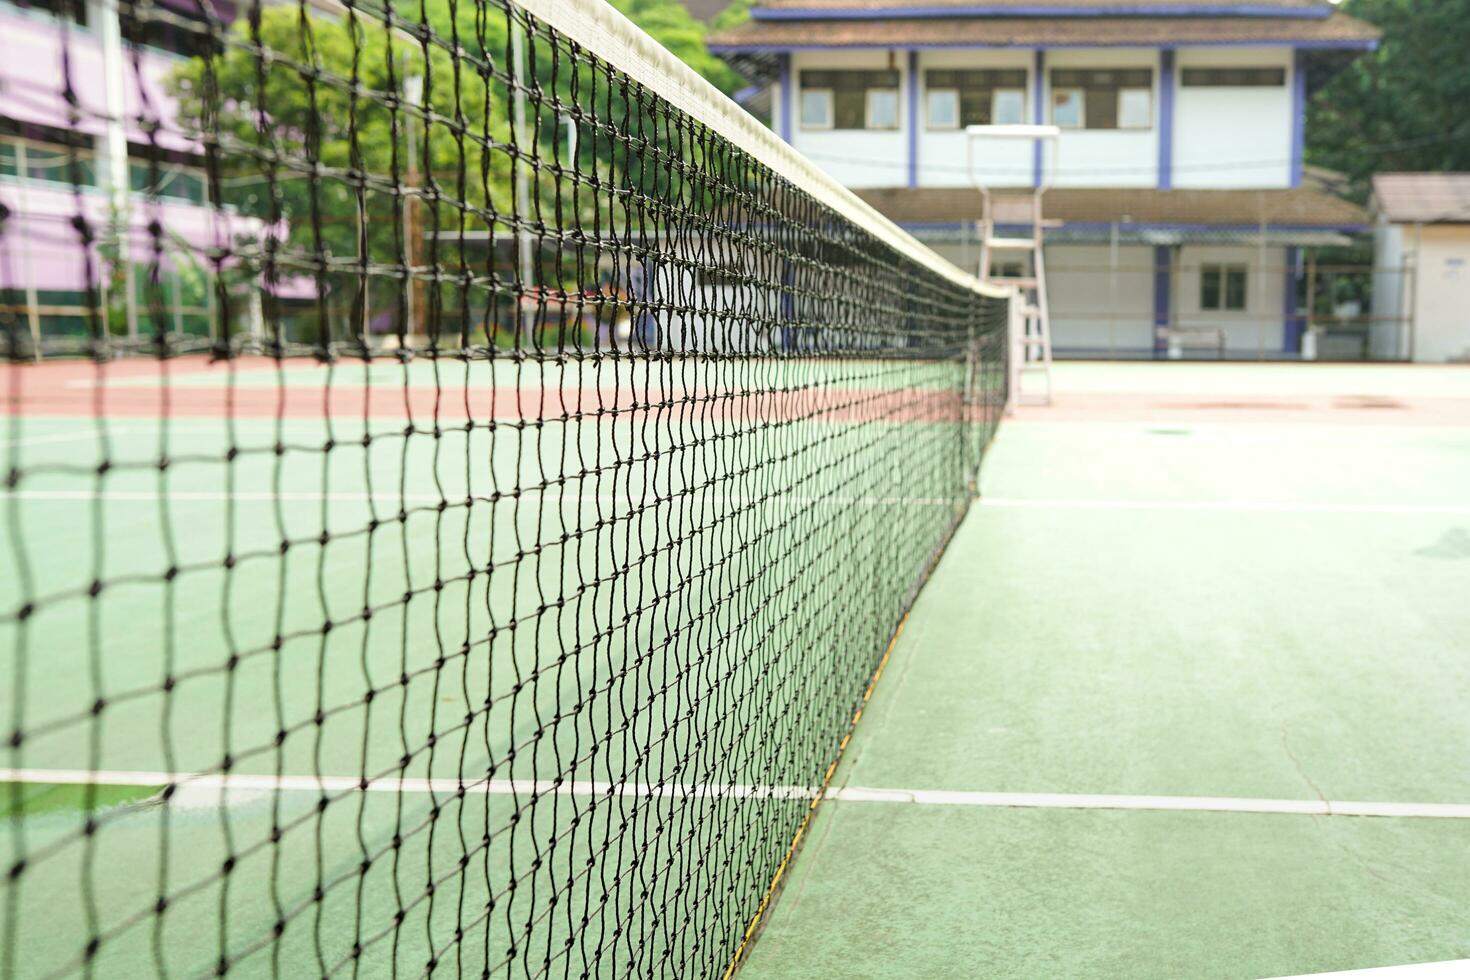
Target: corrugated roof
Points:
(1074, 7)
(1041, 32)
(1287, 207)
(1438, 198)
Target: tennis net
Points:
(462, 476)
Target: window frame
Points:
(929, 122)
(1102, 91)
(1222, 273)
(849, 100)
(831, 102)
(1148, 93)
(995, 96)
(1081, 96)
(883, 90)
(1211, 76)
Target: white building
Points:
(1423, 225)
(1179, 174)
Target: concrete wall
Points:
(1220, 137)
(997, 163)
(1105, 157)
(1103, 308)
(1233, 137)
(1257, 329)
(1095, 309)
(1441, 257)
(856, 157)
(1389, 339)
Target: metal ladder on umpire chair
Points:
(1030, 331)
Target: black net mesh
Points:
(454, 500)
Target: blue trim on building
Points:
(785, 121)
(1370, 45)
(1163, 261)
(1043, 10)
(1038, 111)
(1166, 119)
(913, 120)
(1293, 323)
(1298, 118)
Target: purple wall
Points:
(33, 78)
(1298, 118)
(913, 120)
(1163, 267)
(786, 102)
(1038, 111)
(1166, 119)
(41, 238)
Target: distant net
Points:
(459, 484)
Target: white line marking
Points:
(250, 783)
(1241, 506)
(1420, 971)
(390, 497)
(215, 782)
(1210, 804)
(60, 437)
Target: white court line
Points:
(1204, 804)
(1239, 506)
(996, 503)
(1418, 971)
(216, 782)
(390, 497)
(59, 437)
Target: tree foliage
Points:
(363, 152)
(1405, 106)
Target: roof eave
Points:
(1321, 12)
(1314, 44)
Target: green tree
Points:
(671, 24)
(364, 152)
(735, 13)
(1405, 106)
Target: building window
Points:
(168, 181)
(1135, 108)
(1222, 287)
(882, 109)
(978, 97)
(73, 10)
(816, 108)
(1008, 106)
(1233, 77)
(856, 99)
(942, 108)
(43, 154)
(1066, 107)
(1103, 98)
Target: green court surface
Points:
(438, 668)
(1222, 585)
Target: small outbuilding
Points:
(1421, 296)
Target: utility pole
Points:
(413, 91)
(522, 180)
(102, 17)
